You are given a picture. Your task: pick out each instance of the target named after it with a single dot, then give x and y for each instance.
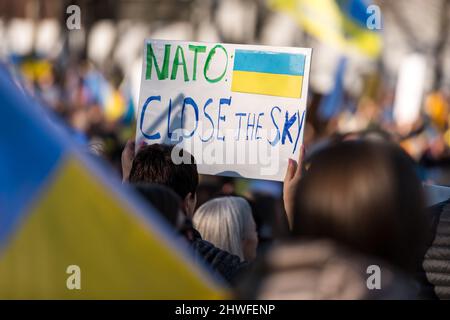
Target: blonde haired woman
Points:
(227, 223)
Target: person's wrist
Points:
(288, 207)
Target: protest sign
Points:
(239, 109)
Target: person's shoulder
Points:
(437, 209)
(300, 269)
(204, 247)
(435, 214)
(213, 254)
(225, 263)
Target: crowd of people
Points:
(356, 203)
(353, 202)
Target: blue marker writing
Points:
(148, 136)
(277, 137)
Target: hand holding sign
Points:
(240, 110)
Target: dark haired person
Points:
(366, 195)
(359, 205)
(153, 164)
(165, 200)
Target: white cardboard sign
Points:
(239, 109)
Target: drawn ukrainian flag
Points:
(269, 73)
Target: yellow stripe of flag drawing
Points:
(268, 73)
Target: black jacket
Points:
(227, 265)
(436, 262)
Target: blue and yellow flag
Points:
(59, 208)
(342, 23)
(269, 73)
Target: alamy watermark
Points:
(374, 22)
(73, 281)
(73, 21)
(373, 282)
(239, 149)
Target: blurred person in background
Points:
(165, 201)
(359, 204)
(227, 222)
(270, 219)
(378, 209)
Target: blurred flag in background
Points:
(59, 207)
(342, 23)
